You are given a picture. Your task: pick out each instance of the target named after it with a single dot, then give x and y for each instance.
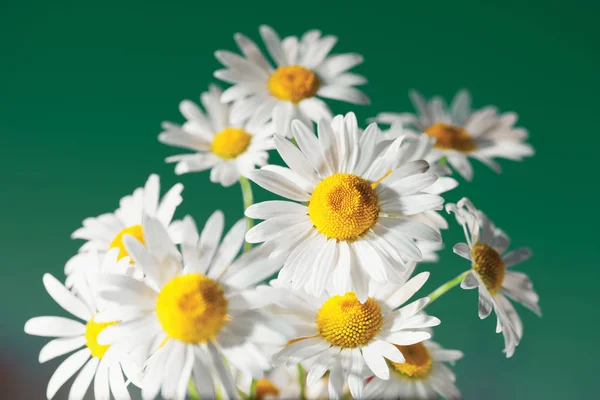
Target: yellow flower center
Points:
(449, 137)
(344, 322)
(92, 330)
(231, 142)
(343, 206)
(293, 83)
(264, 388)
(489, 265)
(418, 362)
(135, 231)
(192, 308)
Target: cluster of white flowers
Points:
(322, 306)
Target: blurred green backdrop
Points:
(85, 85)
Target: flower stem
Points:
(447, 286)
(302, 382)
(248, 200)
(252, 390)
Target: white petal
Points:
(65, 298)
(516, 257)
(299, 351)
(101, 386)
(485, 302)
(117, 383)
(275, 208)
(463, 250)
(375, 361)
(66, 370)
(202, 376)
(222, 371)
(209, 240)
(273, 44)
(413, 204)
(470, 281)
(58, 347)
(83, 380)
(277, 184)
(54, 327)
(169, 203)
(344, 93)
(407, 290)
(387, 350)
(308, 144)
(406, 338)
(229, 248)
(295, 159)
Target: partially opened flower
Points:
(304, 71)
(491, 272)
(81, 334)
(282, 383)
(106, 231)
(423, 376)
(462, 133)
(229, 149)
(351, 339)
(195, 312)
(361, 220)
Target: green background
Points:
(85, 85)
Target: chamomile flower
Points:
(462, 133)
(351, 339)
(424, 375)
(106, 231)
(71, 335)
(486, 250)
(304, 72)
(193, 310)
(361, 219)
(229, 149)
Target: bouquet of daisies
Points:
(318, 300)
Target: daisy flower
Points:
(71, 335)
(485, 249)
(351, 339)
(229, 149)
(304, 70)
(360, 220)
(194, 309)
(462, 133)
(106, 231)
(424, 375)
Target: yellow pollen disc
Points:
(293, 83)
(192, 308)
(418, 362)
(344, 322)
(489, 265)
(449, 137)
(92, 330)
(264, 388)
(343, 206)
(135, 231)
(231, 142)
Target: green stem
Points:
(192, 391)
(253, 390)
(443, 161)
(302, 382)
(446, 286)
(248, 200)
